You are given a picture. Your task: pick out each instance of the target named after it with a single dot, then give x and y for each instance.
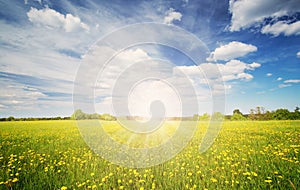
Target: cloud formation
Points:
(269, 74)
(249, 13)
(298, 54)
(52, 19)
(231, 50)
(232, 70)
(171, 16)
(292, 81)
(282, 27)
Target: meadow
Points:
(245, 155)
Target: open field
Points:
(246, 155)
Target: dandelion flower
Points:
(15, 180)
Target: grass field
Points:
(246, 155)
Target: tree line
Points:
(79, 115)
(258, 113)
(11, 118)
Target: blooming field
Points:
(245, 155)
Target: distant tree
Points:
(78, 114)
(296, 114)
(281, 114)
(10, 118)
(94, 116)
(195, 117)
(237, 117)
(267, 115)
(108, 117)
(204, 117)
(257, 114)
(237, 111)
(217, 116)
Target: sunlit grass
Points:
(246, 155)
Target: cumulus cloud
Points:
(171, 16)
(269, 74)
(231, 50)
(298, 54)
(279, 78)
(248, 13)
(52, 19)
(231, 70)
(292, 81)
(282, 27)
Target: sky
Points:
(249, 53)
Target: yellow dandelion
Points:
(15, 180)
(214, 180)
(63, 188)
(268, 181)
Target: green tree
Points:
(78, 114)
(10, 118)
(204, 117)
(237, 111)
(217, 116)
(238, 117)
(281, 114)
(108, 117)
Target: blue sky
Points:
(255, 45)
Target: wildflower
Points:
(15, 180)
(268, 181)
(214, 180)
(63, 188)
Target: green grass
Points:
(246, 155)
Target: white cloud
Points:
(269, 74)
(248, 13)
(53, 19)
(231, 70)
(292, 81)
(171, 16)
(298, 54)
(281, 27)
(279, 78)
(231, 50)
(284, 85)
